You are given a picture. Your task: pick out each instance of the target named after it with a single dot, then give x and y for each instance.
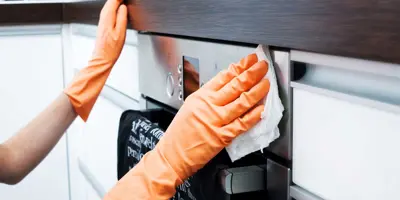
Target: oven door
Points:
(253, 176)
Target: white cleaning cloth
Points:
(265, 131)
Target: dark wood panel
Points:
(355, 28)
(30, 13)
(87, 12)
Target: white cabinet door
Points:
(92, 145)
(31, 77)
(99, 144)
(124, 76)
(82, 49)
(77, 181)
(91, 194)
(346, 118)
(78, 189)
(344, 150)
(93, 150)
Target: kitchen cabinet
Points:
(124, 75)
(91, 193)
(345, 131)
(94, 160)
(343, 147)
(338, 157)
(99, 139)
(92, 145)
(31, 78)
(77, 182)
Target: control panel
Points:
(173, 68)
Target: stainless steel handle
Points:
(363, 82)
(353, 64)
(299, 193)
(380, 105)
(121, 100)
(278, 181)
(242, 179)
(271, 177)
(97, 186)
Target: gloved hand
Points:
(207, 122)
(88, 83)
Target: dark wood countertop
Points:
(30, 13)
(83, 12)
(353, 28)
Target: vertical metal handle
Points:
(299, 193)
(242, 179)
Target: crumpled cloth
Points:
(265, 131)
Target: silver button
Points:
(179, 68)
(170, 85)
(180, 81)
(180, 95)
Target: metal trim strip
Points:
(88, 30)
(118, 98)
(350, 98)
(361, 65)
(30, 30)
(65, 56)
(25, 2)
(299, 193)
(91, 179)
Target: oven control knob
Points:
(180, 68)
(180, 95)
(180, 82)
(170, 85)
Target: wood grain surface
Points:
(30, 13)
(86, 12)
(355, 28)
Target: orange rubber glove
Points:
(87, 85)
(207, 122)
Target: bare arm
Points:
(20, 154)
(26, 149)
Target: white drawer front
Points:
(344, 150)
(100, 142)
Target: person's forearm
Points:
(26, 149)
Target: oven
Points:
(171, 68)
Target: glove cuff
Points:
(151, 178)
(87, 85)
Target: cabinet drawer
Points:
(346, 127)
(99, 148)
(342, 149)
(99, 142)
